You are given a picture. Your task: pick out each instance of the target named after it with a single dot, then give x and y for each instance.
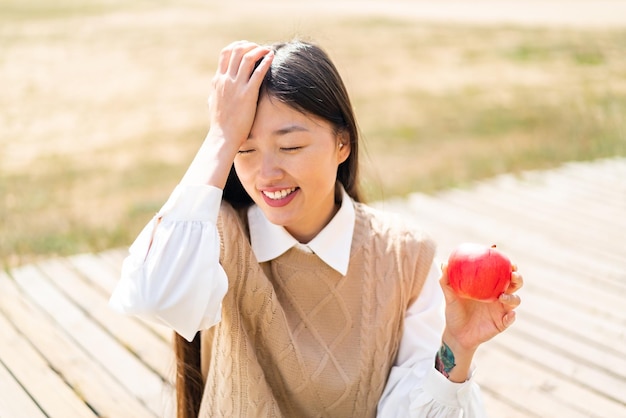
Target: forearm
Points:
(172, 273)
(212, 162)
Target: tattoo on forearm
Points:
(444, 360)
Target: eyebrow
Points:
(286, 130)
(290, 128)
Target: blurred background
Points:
(103, 102)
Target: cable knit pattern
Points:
(298, 339)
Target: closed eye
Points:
(291, 149)
(245, 151)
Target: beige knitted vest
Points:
(297, 339)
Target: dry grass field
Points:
(104, 104)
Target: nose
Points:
(270, 168)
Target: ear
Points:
(343, 146)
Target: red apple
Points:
(479, 272)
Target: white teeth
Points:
(279, 194)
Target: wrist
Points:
(454, 360)
(220, 144)
(212, 162)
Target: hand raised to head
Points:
(232, 101)
(235, 90)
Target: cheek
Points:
(320, 173)
(311, 165)
(243, 170)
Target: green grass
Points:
(439, 106)
(467, 138)
(30, 10)
(68, 208)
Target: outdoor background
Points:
(103, 102)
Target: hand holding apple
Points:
(477, 310)
(479, 272)
(478, 306)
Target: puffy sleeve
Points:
(414, 387)
(172, 273)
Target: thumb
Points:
(507, 320)
(444, 282)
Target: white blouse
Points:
(172, 275)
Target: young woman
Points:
(289, 297)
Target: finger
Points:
(511, 301)
(259, 72)
(250, 59)
(517, 281)
(224, 58)
(237, 55)
(444, 272)
(444, 283)
(226, 53)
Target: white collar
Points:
(332, 244)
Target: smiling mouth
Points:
(279, 194)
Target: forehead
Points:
(274, 115)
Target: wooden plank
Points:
(14, 401)
(554, 276)
(119, 362)
(576, 296)
(597, 297)
(577, 290)
(156, 353)
(564, 221)
(96, 270)
(576, 332)
(535, 389)
(106, 396)
(513, 236)
(558, 191)
(610, 173)
(450, 225)
(580, 181)
(552, 282)
(579, 303)
(35, 377)
(114, 257)
(521, 384)
(528, 251)
(499, 406)
(597, 208)
(560, 226)
(564, 356)
(558, 202)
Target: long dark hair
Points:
(302, 76)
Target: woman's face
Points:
(288, 166)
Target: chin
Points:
(276, 219)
